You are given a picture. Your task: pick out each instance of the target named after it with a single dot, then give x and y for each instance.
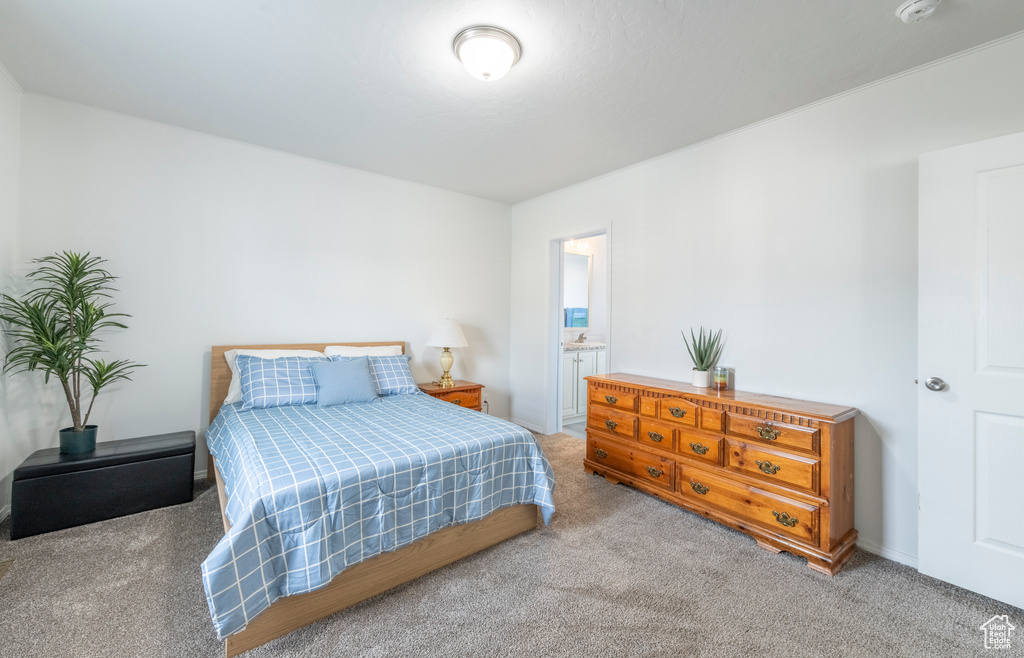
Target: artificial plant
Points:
(704, 350)
(55, 327)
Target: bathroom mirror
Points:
(576, 290)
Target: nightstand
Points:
(465, 394)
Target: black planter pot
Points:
(77, 443)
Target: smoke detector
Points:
(915, 11)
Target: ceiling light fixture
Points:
(915, 11)
(487, 52)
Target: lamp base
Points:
(447, 361)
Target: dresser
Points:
(463, 393)
(780, 470)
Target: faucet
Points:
(581, 338)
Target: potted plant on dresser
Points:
(704, 352)
(54, 328)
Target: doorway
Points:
(580, 326)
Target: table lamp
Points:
(447, 334)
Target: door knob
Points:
(935, 384)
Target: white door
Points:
(971, 335)
(586, 365)
(602, 363)
(568, 384)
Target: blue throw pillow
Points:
(276, 382)
(343, 382)
(391, 374)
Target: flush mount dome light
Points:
(487, 52)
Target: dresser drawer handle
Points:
(768, 467)
(456, 401)
(699, 488)
(677, 412)
(654, 472)
(611, 399)
(699, 449)
(655, 437)
(768, 433)
(600, 453)
(610, 424)
(785, 519)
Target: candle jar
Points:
(721, 379)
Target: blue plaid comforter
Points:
(314, 491)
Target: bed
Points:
(324, 508)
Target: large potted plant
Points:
(704, 352)
(55, 328)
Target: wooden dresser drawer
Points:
(657, 434)
(777, 513)
(678, 410)
(648, 406)
(610, 398)
(785, 469)
(712, 420)
(636, 463)
(700, 447)
(469, 399)
(607, 419)
(781, 434)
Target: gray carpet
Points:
(617, 573)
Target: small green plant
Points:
(54, 327)
(704, 350)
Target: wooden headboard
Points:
(220, 373)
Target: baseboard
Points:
(530, 426)
(887, 553)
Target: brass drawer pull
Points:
(655, 472)
(699, 488)
(785, 519)
(600, 453)
(768, 467)
(699, 449)
(611, 399)
(610, 424)
(677, 412)
(456, 401)
(655, 437)
(768, 433)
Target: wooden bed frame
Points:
(368, 578)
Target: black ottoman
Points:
(52, 491)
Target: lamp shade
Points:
(447, 333)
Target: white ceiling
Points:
(374, 84)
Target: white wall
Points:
(218, 242)
(798, 237)
(10, 149)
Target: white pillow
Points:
(349, 350)
(235, 387)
